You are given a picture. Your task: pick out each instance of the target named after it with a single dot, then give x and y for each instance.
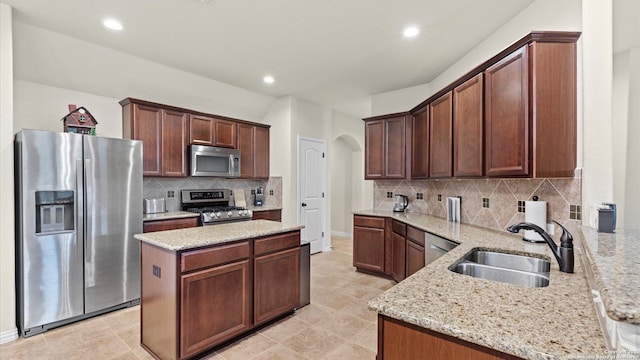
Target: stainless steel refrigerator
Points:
(78, 205)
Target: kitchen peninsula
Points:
(203, 286)
(437, 308)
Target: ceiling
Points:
(332, 52)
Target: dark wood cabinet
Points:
(163, 133)
(506, 104)
(468, 151)
(273, 215)
(369, 243)
(228, 289)
(170, 224)
(420, 144)
(385, 147)
(400, 340)
(253, 143)
(398, 246)
(194, 300)
(205, 130)
(440, 136)
(414, 257)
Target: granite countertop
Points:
(189, 238)
(168, 215)
(263, 208)
(558, 321)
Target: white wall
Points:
(342, 186)
(399, 100)
(8, 329)
(49, 58)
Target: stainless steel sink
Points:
(513, 269)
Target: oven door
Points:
(215, 162)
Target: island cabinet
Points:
(196, 299)
(253, 143)
(440, 137)
(398, 340)
(385, 147)
(170, 224)
(398, 250)
(468, 126)
(205, 130)
(369, 245)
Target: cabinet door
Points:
(200, 130)
(394, 151)
(261, 153)
(440, 135)
(147, 127)
(414, 257)
(245, 145)
(374, 149)
(273, 215)
(216, 305)
(467, 128)
(397, 256)
(174, 143)
(224, 134)
(368, 248)
(420, 144)
(276, 284)
(507, 116)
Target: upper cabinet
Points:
(163, 133)
(468, 128)
(167, 131)
(440, 137)
(512, 116)
(385, 147)
(211, 131)
(253, 143)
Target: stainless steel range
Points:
(215, 206)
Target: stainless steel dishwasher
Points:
(436, 246)
(305, 273)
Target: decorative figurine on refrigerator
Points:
(79, 121)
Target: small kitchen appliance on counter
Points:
(213, 206)
(155, 206)
(259, 198)
(402, 201)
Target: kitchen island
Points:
(204, 286)
(501, 320)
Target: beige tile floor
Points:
(337, 324)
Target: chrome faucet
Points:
(564, 253)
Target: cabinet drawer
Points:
(415, 235)
(368, 221)
(199, 259)
(276, 243)
(172, 224)
(399, 227)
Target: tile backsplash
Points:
(491, 203)
(169, 188)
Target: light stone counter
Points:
(554, 322)
(189, 238)
(168, 215)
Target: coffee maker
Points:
(402, 201)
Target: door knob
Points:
(304, 204)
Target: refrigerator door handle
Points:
(88, 204)
(79, 206)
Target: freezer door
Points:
(113, 192)
(49, 250)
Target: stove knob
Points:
(218, 214)
(229, 213)
(246, 212)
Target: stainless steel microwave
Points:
(214, 161)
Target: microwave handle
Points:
(232, 166)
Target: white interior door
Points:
(311, 188)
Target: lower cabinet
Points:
(194, 300)
(170, 224)
(398, 249)
(369, 243)
(398, 340)
(414, 257)
(273, 215)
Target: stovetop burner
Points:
(214, 206)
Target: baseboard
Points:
(342, 234)
(9, 336)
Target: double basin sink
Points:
(514, 269)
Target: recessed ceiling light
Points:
(268, 79)
(112, 24)
(411, 31)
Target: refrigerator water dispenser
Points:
(54, 211)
